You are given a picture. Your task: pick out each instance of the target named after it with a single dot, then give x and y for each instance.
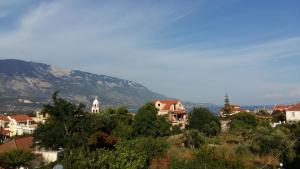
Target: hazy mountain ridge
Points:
(26, 85)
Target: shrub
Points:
(16, 158)
(242, 121)
(192, 139)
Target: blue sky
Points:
(194, 50)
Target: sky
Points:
(195, 50)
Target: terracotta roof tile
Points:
(281, 107)
(295, 107)
(24, 143)
(168, 103)
(21, 117)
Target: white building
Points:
(96, 106)
(20, 124)
(174, 110)
(293, 113)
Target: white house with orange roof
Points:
(174, 110)
(21, 124)
(293, 113)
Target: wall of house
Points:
(49, 156)
(292, 116)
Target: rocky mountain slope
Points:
(28, 85)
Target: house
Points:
(17, 124)
(293, 113)
(174, 110)
(26, 143)
(40, 117)
(235, 109)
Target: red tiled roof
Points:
(295, 107)
(281, 107)
(4, 118)
(168, 103)
(24, 143)
(21, 117)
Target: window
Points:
(158, 105)
(293, 114)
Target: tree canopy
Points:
(147, 123)
(204, 121)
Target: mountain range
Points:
(27, 86)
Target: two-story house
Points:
(21, 124)
(174, 110)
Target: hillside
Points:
(28, 85)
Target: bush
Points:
(175, 130)
(192, 139)
(275, 142)
(206, 158)
(16, 158)
(242, 121)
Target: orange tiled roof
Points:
(281, 107)
(24, 143)
(21, 117)
(168, 103)
(295, 107)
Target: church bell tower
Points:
(96, 106)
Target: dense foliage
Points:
(147, 123)
(117, 139)
(204, 121)
(242, 121)
(16, 158)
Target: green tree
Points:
(16, 158)
(204, 121)
(278, 116)
(124, 120)
(148, 123)
(64, 126)
(243, 121)
(227, 109)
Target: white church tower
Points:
(96, 106)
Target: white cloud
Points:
(113, 38)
